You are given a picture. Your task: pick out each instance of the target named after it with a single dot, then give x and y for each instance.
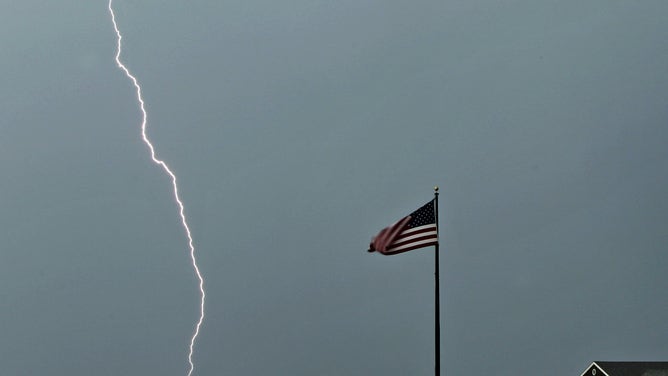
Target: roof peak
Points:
(627, 368)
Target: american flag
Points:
(417, 230)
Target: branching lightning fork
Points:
(169, 172)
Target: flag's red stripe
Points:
(416, 232)
(400, 242)
(431, 226)
(388, 235)
(422, 240)
(413, 238)
(394, 251)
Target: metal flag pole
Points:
(437, 315)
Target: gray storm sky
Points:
(298, 130)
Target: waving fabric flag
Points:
(417, 230)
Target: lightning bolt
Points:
(169, 172)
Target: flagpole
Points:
(437, 315)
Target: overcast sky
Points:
(298, 129)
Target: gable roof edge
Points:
(597, 366)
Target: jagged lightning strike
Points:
(169, 172)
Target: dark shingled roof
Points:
(634, 368)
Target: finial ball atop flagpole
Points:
(436, 189)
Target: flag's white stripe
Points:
(413, 244)
(421, 228)
(401, 238)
